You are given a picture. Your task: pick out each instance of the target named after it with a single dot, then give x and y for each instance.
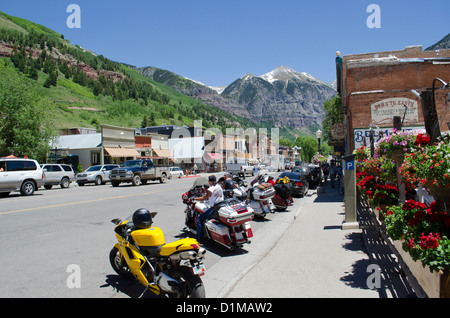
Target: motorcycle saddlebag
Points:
(283, 190)
(218, 232)
(235, 213)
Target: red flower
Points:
(412, 204)
(430, 241)
(411, 243)
(422, 140)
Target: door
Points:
(52, 174)
(4, 177)
(15, 173)
(107, 171)
(148, 169)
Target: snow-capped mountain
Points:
(282, 96)
(284, 73)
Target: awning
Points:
(211, 157)
(163, 153)
(117, 152)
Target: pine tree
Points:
(145, 122)
(52, 79)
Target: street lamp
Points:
(319, 135)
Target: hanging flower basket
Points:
(442, 197)
(397, 140)
(430, 165)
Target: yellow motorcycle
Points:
(171, 270)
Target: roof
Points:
(83, 141)
(163, 153)
(118, 152)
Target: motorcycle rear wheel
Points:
(191, 285)
(118, 264)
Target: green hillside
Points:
(89, 90)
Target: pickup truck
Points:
(244, 168)
(137, 172)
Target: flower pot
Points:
(434, 284)
(442, 197)
(398, 155)
(380, 211)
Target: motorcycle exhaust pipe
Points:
(192, 255)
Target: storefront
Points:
(376, 87)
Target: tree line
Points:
(23, 60)
(35, 53)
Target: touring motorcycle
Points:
(229, 225)
(260, 195)
(171, 270)
(283, 194)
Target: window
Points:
(94, 168)
(67, 168)
(20, 165)
(54, 168)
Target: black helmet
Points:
(142, 219)
(212, 179)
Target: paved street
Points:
(44, 234)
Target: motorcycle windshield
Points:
(200, 182)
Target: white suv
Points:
(20, 174)
(95, 174)
(57, 174)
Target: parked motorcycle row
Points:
(174, 269)
(230, 224)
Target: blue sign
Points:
(350, 165)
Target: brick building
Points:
(375, 87)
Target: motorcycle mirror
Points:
(116, 221)
(153, 214)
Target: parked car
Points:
(300, 185)
(245, 168)
(98, 174)
(20, 174)
(57, 174)
(289, 165)
(176, 172)
(306, 171)
(138, 171)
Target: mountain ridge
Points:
(282, 96)
(282, 91)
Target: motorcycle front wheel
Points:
(191, 286)
(118, 264)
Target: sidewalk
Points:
(316, 258)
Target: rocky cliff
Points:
(282, 96)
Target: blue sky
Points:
(218, 41)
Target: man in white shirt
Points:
(215, 195)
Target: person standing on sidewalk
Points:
(333, 171)
(340, 180)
